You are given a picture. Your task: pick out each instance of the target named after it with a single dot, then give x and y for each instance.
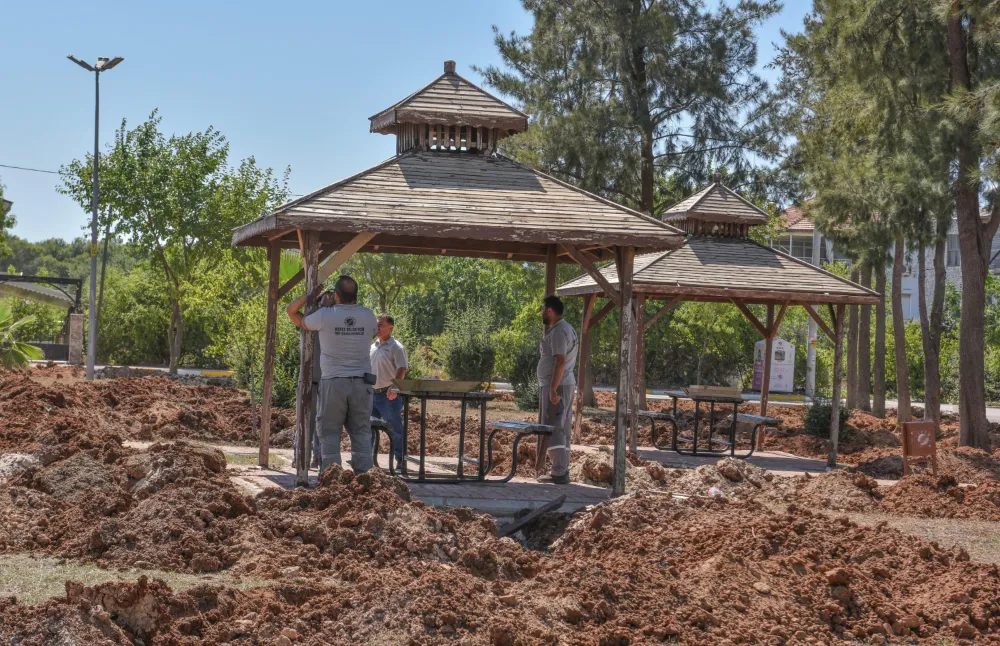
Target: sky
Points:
(290, 83)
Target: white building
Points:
(797, 240)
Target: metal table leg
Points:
(423, 436)
(732, 431)
(697, 421)
(461, 441)
(711, 424)
(482, 439)
(406, 433)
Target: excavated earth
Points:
(722, 554)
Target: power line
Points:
(34, 170)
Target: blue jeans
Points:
(391, 410)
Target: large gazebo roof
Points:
(723, 269)
(452, 203)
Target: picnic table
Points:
(728, 446)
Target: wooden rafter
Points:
(588, 265)
(342, 256)
(669, 305)
(777, 320)
(754, 321)
(814, 315)
(601, 313)
(297, 278)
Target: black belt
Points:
(382, 391)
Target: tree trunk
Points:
(878, 369)
(852, 351)
(975, 240)
(930, 331)
(175, 334)
(899, 334)
(865, 347)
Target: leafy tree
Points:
(178, 202)
(624, 93)
(13, 352)
(389, 277)
(7, 222)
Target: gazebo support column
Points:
(304, 402)
(270, 332)
(838, 354)
(640, 358)
(542, 443)
(765, 384)
(625, 261)
(581, 379)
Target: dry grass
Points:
(33, 579)
(274, 461)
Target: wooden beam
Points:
(625, 261)
(581, 375)
(304, 401)
(542, 442)
(640, 365)
(279, 234)
(838, 355)
(754, 321)
(588, 265)
(604, 311)
(270, 333)
(814, 315)
(297, 278)
(765, 384)
(669, 305)
(777, 321)
(723, 294)
(342, 256)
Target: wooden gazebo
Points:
(447, 192)
(719, 263)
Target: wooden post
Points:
(625, 261)
(304, 402)
(765, 386)
(542, 444)
(581, 378)
(838, 355)
(270, 333)
(639, 399)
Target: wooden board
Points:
(438, 386)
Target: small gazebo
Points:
(447, 192)
(720, 263)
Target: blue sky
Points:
(290, 83)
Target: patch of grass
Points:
(250, 459)
(33, 579)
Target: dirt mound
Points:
(965, 464)
(839, 491)
(728, 478)
(941, 497)
(12, 464)
(717, 573)
(32, 414)
(597, 468)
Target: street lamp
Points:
(103, 65)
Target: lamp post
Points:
(103, 65)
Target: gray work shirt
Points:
(345, 332)
(558, 339)
(387, 358)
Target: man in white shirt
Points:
(389, 362)
(345, 396)
(557, 385)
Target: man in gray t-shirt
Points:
(345, 331)
(557, 385)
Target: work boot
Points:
(554, 479)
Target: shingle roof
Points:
(710, 268)
(451, 100)
(425, 196)
(795, 220)
(716, 203)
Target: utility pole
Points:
(813, 330)
(103, 65)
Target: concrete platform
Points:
(777, 462)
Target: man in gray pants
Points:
(557, 385)
(345, 332)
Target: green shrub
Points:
(523, 377)
(818, 420)
(466, 348)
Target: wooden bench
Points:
(521, 430)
